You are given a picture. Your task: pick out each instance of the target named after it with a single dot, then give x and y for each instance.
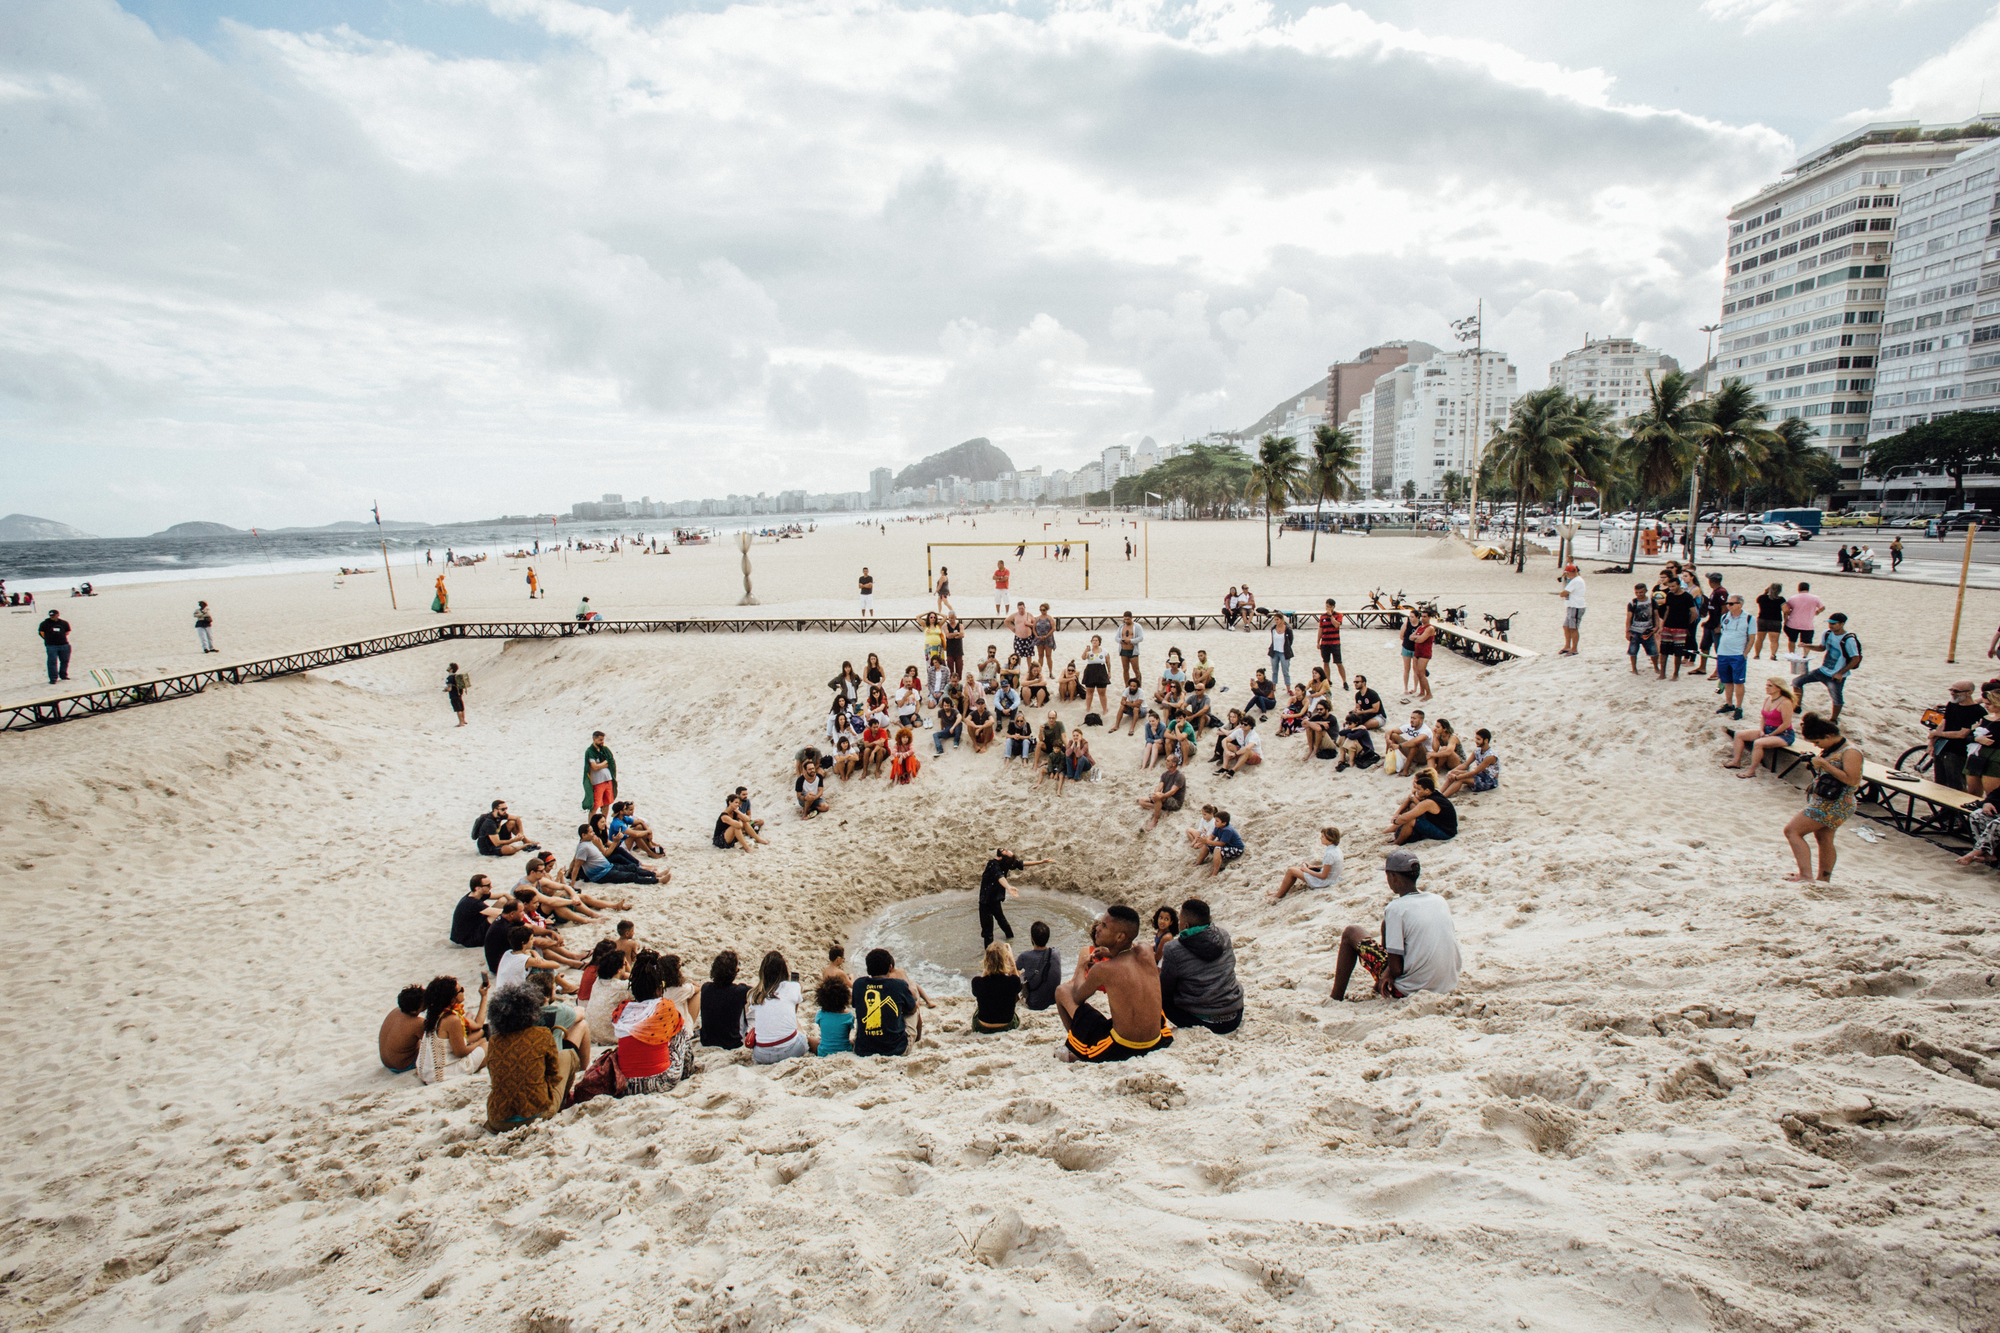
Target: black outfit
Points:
(1711, 626)
(1446, 819)
(1951, 753)
(468, 923)
(722, 1014)
(496, 941)
(995, 998)
(992, 897)
(881, 1007)
(483, 830)
(1770, 613)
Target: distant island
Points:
(28, 528)
(201, 530)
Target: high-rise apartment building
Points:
(1450, 405)
(1115, 462)
(1347, 382)
(1611, 370)
(881, 488)
(1808, 277)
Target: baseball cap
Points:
(1569, 569)
(1402, 862)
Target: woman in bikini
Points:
(1774, 730)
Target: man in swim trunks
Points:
(1121, 965)
(867, 592)
(1022, 626)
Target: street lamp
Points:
(1470, 329)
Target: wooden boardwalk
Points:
(131, 694)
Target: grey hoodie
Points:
(1198, 974)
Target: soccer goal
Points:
(930, 569)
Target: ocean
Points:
(57, 566)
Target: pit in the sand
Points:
(936, 938)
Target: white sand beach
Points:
(1671, 1092)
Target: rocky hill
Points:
(975, 460)
(28, 528)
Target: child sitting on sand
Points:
(836, 1022)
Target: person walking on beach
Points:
(55, 640)
(202, 623)
(442, 601)
(534, 585)
(456, 683)
(867, 594)
(1843, 656)
(944, 591)
(600, 775)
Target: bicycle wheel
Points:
(1916, 759)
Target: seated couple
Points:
(734, 827)
(1357, 732)
(1426, 814)
(600, 863)
(428, 1032)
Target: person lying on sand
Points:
(1120, 966)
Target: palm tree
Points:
(1273, 477)
(1733, 447)
(1793, 467)
(1330, 474)
(1664, 439)
(1532, 452)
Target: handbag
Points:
(602, 1079)
(1829, 786)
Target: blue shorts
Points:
(1732, 670)
(1425, 831)
(1635, 643)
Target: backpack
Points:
(1093, 720)
(1852, 647)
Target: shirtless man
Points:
(1022, 626)
(1121, 965)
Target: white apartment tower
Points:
(1452, 404)
(1611, 370)
(1809, 269)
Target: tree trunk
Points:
(1313, 554)
(1694, 514)
(1267, 534)
(1520, 530)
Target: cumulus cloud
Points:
(1949, 87)
(776, 244)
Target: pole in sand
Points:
(1149, 560)
(1964, 568)
(385, 556)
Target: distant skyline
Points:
(267, 261)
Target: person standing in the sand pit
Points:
(1119, 964)
(994, 890)
(55, 640)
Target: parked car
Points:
(1770, 534)
(1957, 520)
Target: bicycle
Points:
(1921, 759)
(1266, 618)
(1497, 626)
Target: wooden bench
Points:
(1476, 645)
(1912, 804)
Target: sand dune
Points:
(1672, 1093)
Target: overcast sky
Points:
(265, 261)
